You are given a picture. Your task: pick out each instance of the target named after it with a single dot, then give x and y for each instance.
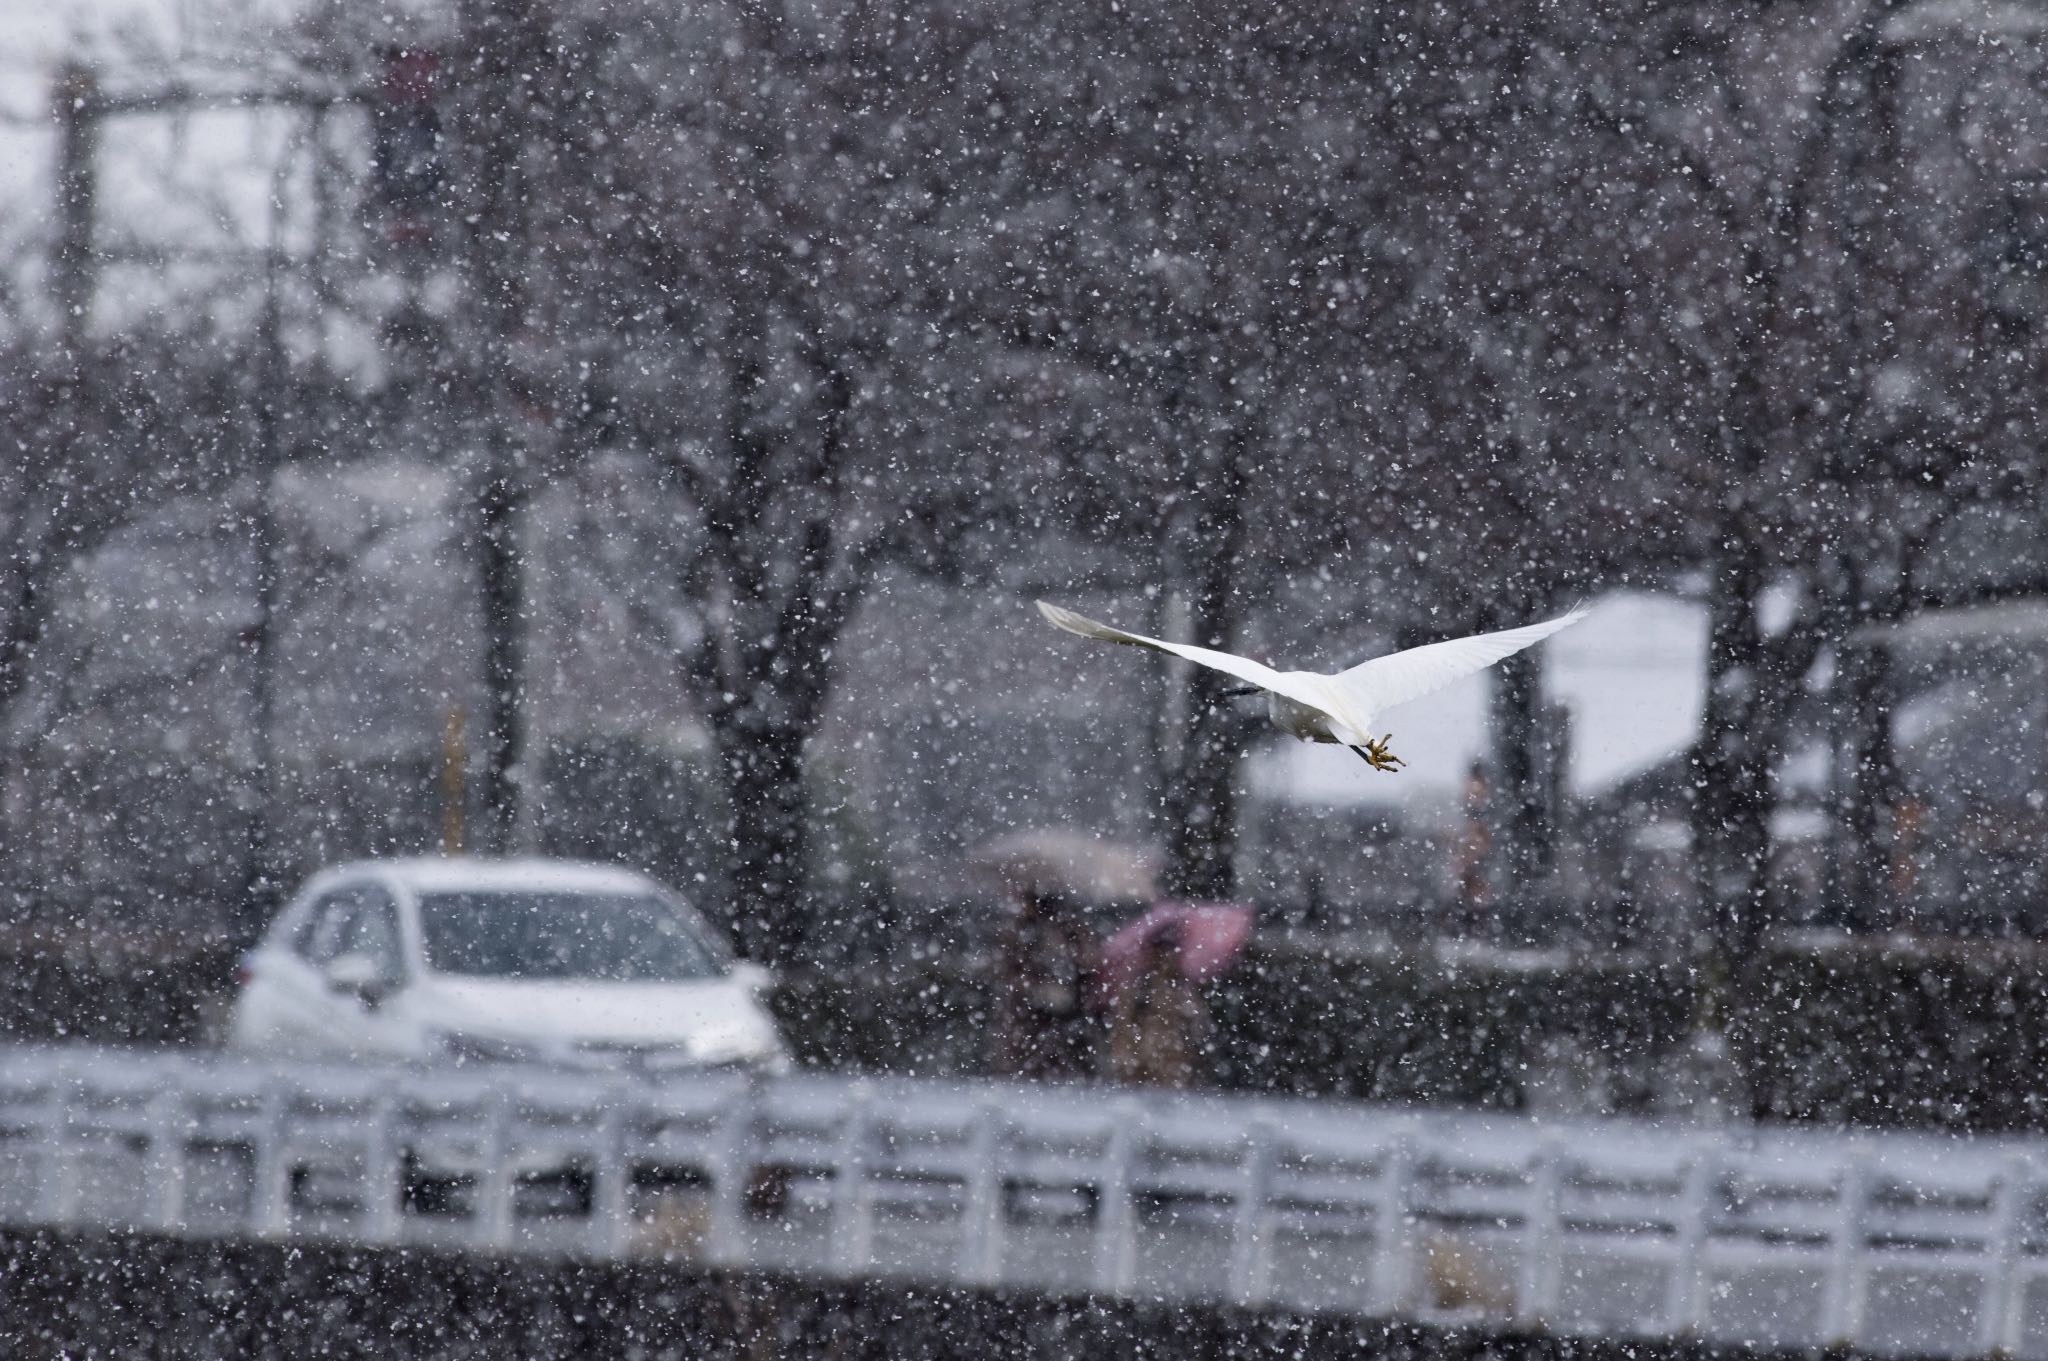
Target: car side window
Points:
(373, 931)
(322, 938)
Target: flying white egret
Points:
(1347, 706)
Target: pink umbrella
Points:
(1211, 936)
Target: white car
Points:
(501, 961)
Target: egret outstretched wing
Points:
(1383, 682)
(1295, 686)
(1244, 668)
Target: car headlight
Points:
(465, 1048)
(767, 1062)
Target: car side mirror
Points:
(753, 977)
(357, 975)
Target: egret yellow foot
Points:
(1376, 755)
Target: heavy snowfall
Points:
(551, 803)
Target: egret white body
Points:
(1346, 706)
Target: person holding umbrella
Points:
(1160, 1031)
(1045, 963)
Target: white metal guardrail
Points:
(1887, 1243)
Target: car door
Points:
(294, 997)
(380, 1019)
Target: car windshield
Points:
(620, 937)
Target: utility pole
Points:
(502, 42)
(79, 107)
(75, 106)
(261, 889)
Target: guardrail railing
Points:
(1888, 1243)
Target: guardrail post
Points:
(1842, 1311)
(1394, 1230)
(164, 1171)
(59, 1200)
(383, 1173)
(1542, 1228)
(2000, 1316)
(1685, 1297)
(1116, 1228)
(270, 1211)
(851, 1240)
(1250, 1253)
(611, 1181)
(983, 1224)
(726, 1244)
(491, 1218)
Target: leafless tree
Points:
(1756, 143)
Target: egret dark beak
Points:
(1240, 691)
